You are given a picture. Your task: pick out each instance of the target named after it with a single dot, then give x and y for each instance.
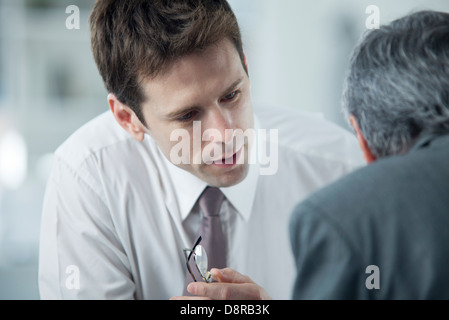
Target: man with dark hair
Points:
(382, 232)
(172, 165)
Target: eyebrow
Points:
(182, 111)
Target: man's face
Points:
(210, 88)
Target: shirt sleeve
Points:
(80, 256)
(328, 266)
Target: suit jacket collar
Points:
(430, 139)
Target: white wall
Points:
(298, 50)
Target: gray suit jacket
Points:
(393, 214)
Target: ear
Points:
(126, 118)
(367, 154)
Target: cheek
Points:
(161, 135)
(244, 117)
(182, 146)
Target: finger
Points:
(229, 275)
(225, 291)
(190, 298)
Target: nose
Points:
(215, 125)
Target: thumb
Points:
(229, 275)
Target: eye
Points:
(187, 116)
(230, 96)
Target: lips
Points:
(228, 161)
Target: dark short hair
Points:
(397, 86)
(134, 40)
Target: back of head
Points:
(397, 86)
(133, 40)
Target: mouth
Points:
(228, 162)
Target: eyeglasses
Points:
(200, 257)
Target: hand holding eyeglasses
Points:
(228, 285)
(220, 284)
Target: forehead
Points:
(195, 78)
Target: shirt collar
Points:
(242, 195)
(428, 139)
(188, 187)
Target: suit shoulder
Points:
(340, 199)
(371, 192)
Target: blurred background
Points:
(49, 86)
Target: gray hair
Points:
(397, 84)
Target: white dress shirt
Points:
(117, 214)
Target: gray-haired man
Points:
(382, 232)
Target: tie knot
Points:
(210, 201)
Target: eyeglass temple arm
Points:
(194, 246)
(190, 255)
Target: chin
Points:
(228, 178)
